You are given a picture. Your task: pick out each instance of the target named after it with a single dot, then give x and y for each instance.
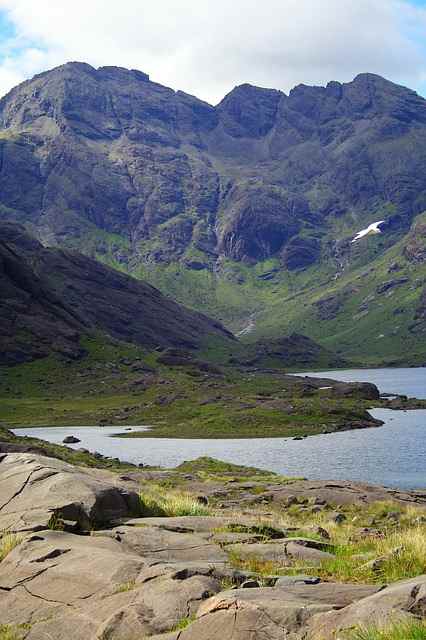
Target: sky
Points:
(206, 47)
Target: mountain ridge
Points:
(203, 201)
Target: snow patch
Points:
(372, 228)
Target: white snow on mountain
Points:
(372, 228)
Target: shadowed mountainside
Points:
(51, 297)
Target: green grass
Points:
(103, 388)
(286, 303)
(167, 504)
(211, 466)
(400, 549)
(125, 586)
(9, 632)
(183, 623)
(410, 630)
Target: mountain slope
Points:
(245, 210)
(52, 298)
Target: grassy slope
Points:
(105, 388)
(238, 295)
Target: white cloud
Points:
(206, 47)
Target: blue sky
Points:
(206, 47)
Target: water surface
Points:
(404, 381)
(393, 455)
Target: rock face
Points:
(274, 613)
(165, 186)
(50, 298)
(106, 149)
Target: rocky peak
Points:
(105, 103)
(249, 111)
(369, 94)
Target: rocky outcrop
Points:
(35, 490)
(401, 601)
(415, 245)
(270, 613)
(170, 578)
(293, 351)
(300, 252)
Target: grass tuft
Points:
(411, 630)
(8, 541)
(12, 632)
(155, 504)
(183, 623)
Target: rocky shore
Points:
(120, 555)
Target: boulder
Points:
(268, 613)
(33, 489)
(71, 440)
(401, 600)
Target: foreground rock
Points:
(34, 489)
(96, 586)
(400, 601)
(168, 578)
(269, 613)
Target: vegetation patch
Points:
(8, 541)
(409, 630)
(161, 504)
(183, 623)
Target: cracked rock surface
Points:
(162, 578)
(33, 488)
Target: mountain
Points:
(51, 298)
(246, 210)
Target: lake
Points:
(393, 455)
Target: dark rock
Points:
(300, 252)
(365, 390)
(390, 284)
(70, 440)
(338, 517)
(250, 584)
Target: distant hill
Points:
(50, 298)
(246, 210)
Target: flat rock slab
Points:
(398, 601)
(343, 493)
(58, 581)
(235, 538)
(283, 553)
(33, 488)
(195, 524)
(54, 570)
(156, 544)
(310, 543)
(268, 613)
